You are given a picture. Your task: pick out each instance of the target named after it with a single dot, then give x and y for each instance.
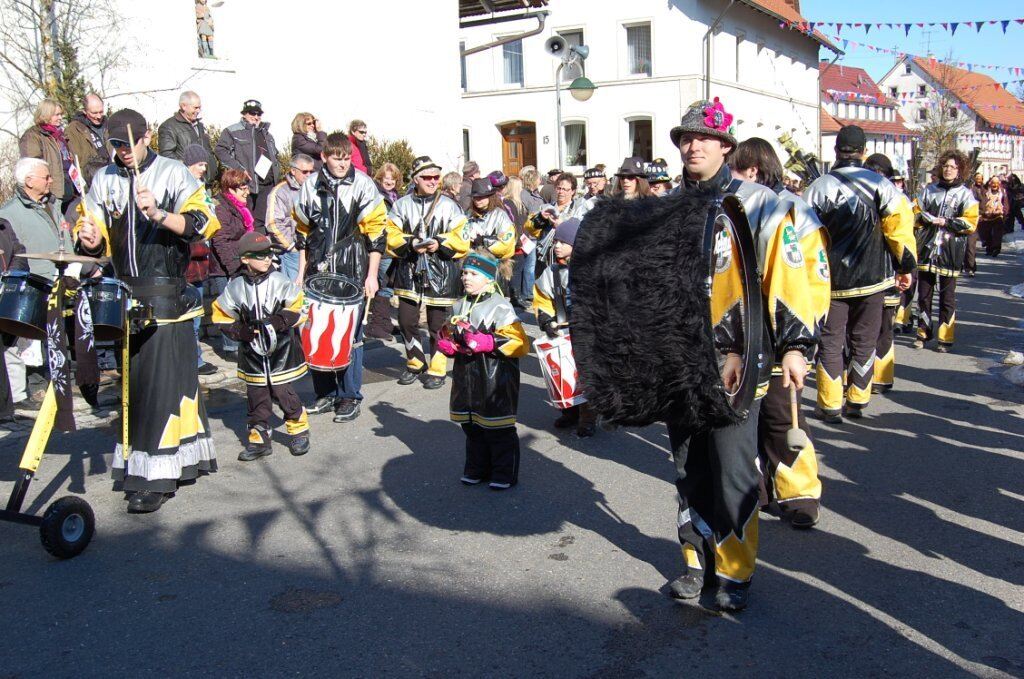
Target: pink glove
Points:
(447, 347)
(479, 342)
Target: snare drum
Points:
(23, 299)
(558, 365)
(333, 319)
(109, 301)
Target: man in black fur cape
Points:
(638, 324)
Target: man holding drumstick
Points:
(167, 438)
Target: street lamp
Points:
(581, 88)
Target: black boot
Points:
(732, 597)
(146, 501)
(379, 326)
(299, 444)
(258, 445)
(686, 586)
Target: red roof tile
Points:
(977, 91)
(849, 79)
(892, 127)
(827, 123)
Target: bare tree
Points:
(945, 121)
(54, 48)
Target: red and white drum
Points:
(558, 366)
(333, 309)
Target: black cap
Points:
(593, 173)
(554, 173)
(252, 106)
(631, 167)
(482, 188)
(119, 123)
(252, 243)
(850, 139)
(880, 163)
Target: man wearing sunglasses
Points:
(280, 221)
(425, 270)
(248, 145)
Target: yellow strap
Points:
(40, 435)
(125, 361)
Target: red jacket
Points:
(360, 155)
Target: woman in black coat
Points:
(308, 138)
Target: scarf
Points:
(242, 208)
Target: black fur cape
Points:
(641, 314)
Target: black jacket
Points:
(240, 146)
(176, 134)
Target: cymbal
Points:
(60, 257)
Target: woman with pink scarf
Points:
(45, 140)
(236, 220)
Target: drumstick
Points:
(796, 438)
(135, 162)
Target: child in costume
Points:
(552, 303)
(486, 339)
(262, 309)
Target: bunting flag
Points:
(951, 26)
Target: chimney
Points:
(795, 4)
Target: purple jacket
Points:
(224, 259)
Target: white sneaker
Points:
(470, 481)
(499, 486)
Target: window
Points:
(638, 49)
(512, 56)
(575, 144)
(462, 64)
(906, 67)
(465, 144)
(922, 115)
(204, 29)
(893, 92)
(641, 138)
(573, 39)
(922, 90)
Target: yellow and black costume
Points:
(941, 251)
(870, 227)
(169, 437)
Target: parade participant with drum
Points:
(261, 309)
(486, 338)
(870, 226)
(426, 270)
(947, 212)
(340, 231)
(789, 478)
(552, 302)
(143, 210)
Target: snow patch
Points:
(1015, 375)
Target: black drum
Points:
(108, 301)
(23, 299)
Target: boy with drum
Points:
(487, 339)
(426, 268)
(261, 309)
(340, 224)
(552, 303)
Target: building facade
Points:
(646, 58)
(992, 118)
(850, 97)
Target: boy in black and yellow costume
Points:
(144, 210)
(947, 213)
(870, 226)
(717, 475)
(262, 309)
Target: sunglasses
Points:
(361, 131)
(118, 144)
(303, 171)
(430, 177)
(258, 255)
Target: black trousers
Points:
(261, 405)
(789, 478)
(971, 255)
(492, 453)
(717, 481)
(409, 323)
(990, 232)
(885, 349)
(947, 307)
(853, 323)
(258, 206)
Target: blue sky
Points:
(990, 46)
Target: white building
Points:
(394, 65)
(647, 60)
(994, 117)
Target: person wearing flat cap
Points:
(262, 310)
(143, 211)
(631, 180)
(248, 145)
(718, 503)
(426, 269)
(871, 229)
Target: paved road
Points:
(368, 558)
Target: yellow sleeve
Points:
(373, 223)
(300, 217)
(968, 219)
(457, 240)
(898, 229)
(95, 213)
(532, 230)
(796, 298)
(220, 314)
(542, 303)
(200, 206)
(397, 239)
(516, 344)
(504, 245)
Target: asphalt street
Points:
(367, 557)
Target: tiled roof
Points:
(827, 123)
(849, 79)
(891, 127)
(784, 9)
(468, 8)
(964, 85)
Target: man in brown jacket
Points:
(87, 137)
